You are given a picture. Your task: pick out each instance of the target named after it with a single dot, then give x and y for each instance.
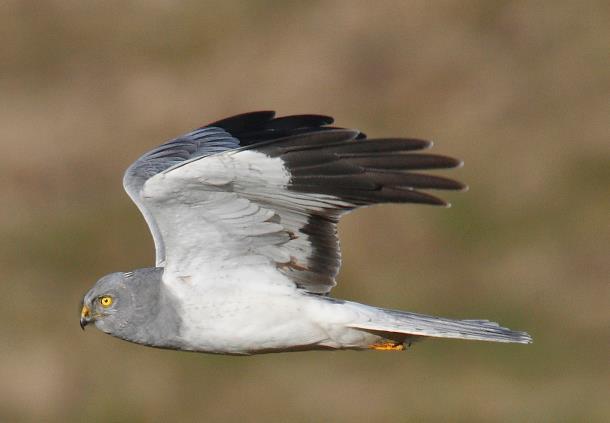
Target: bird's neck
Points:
(156, 318)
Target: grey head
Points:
(133, 306)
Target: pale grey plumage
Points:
(142, 312)
(243, 213)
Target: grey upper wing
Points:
(201, 142)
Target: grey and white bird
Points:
(244, 216)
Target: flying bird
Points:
(244, 215)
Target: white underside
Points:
(238, 311)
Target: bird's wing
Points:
(258, 190)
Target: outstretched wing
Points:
(254, 189)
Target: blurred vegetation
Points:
(517, 89)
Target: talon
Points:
(387, 346)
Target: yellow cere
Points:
(106, 301)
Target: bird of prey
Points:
(244, 215)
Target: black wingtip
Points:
(244, 121)
(299, 121)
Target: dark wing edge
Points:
(335, 171)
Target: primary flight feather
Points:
(244, 216)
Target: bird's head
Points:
(130, 306)
(109, 304)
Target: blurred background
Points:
(518, 90)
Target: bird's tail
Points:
(405, 327)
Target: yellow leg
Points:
(387, 346)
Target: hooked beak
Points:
(85, 317)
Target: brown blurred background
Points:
(519, 90)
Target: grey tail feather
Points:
(404, 322)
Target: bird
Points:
(243, 213)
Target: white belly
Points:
(247, 315)
(241, 324)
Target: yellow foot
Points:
(387, 346)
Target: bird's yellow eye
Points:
(106, 301)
